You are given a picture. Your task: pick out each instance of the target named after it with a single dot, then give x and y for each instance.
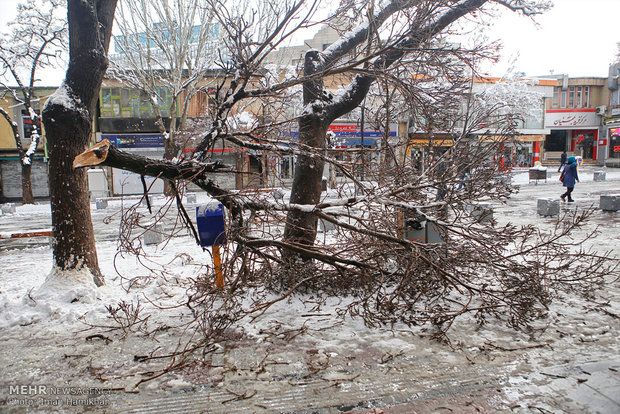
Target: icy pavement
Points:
(572, 366)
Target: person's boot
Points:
(570, 200)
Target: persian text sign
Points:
(566, 119)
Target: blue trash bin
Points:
(211, 226)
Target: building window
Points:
(556, 97)
(571, 97)
(586, 96)
(131, 102)
(579, 96)
(563, 99)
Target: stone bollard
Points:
(326, 226)
(599, 175)
(610, 202)
(278, 194)
(482, 212)
(548, 207)
(190, 198)
(153, 235)
(8, 208)
(101, 204)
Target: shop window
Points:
(614, 143)
(287, 167)
(125, 98)
(110, 102)
(106, 98)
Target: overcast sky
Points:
(577, 37)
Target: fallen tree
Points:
(376, 249)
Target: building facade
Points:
(574, 115)
(611, 128)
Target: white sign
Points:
(567, 120)
(126, 182)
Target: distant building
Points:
(611, 121)
(574, 116)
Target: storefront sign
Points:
(421, 142)
(560, 119)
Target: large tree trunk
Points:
(301, 226)
(74, 240)
(27, 193)
(68, 123)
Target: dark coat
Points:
(563, 158)
(571, 175)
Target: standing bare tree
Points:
(67, 117)
(34, 42)
(166, 50)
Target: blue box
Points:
(211, 226)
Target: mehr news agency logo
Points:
(46, 395)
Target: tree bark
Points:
(27, 193)
(68, 123)
(301, 226)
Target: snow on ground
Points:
(56, 334)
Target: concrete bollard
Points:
(610, 202)
(153, 235)
(190, 198)
(599, 175)
(482, 212)
(548, 207)
(8, 208)
(326, 226)
(101, 204)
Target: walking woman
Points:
(568, 178)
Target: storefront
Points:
(575, 131)
(613, 136)
(422, 151)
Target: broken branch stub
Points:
(104, 153)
